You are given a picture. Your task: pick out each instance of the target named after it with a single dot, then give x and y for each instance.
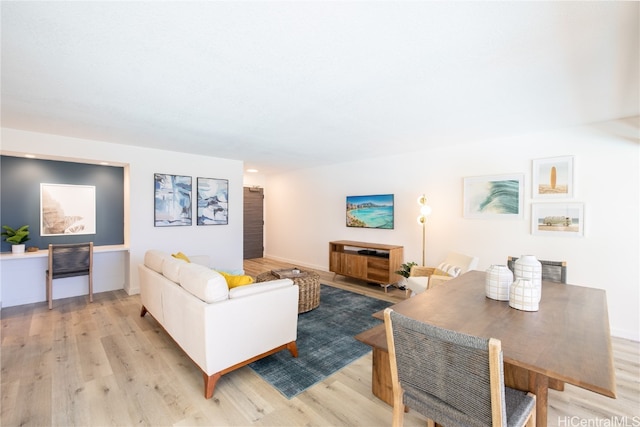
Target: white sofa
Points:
(219, 329)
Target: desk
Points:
(22, 278)
(567, 340)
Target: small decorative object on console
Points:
(288, 273)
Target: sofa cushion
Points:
(204, 283)
(171, 269)
(438, 272)
(235, 280)
(154, 258)
(181, 256)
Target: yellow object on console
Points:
(233, 281)
(181, 256)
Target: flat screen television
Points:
(374, 211)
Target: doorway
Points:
(253, 222)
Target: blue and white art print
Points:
(494, 197)
(172, 204)
(213, 201)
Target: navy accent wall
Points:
(20, 180)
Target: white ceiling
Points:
(283, 85)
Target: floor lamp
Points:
(425, 211)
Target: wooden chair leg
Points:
(90, 287)
(49, 292)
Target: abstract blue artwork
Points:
(172, 205)
(497, 196)
(213, 201)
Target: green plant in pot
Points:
(16, 237)
(405, 271)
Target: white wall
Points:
(305, 209)
(222, 242)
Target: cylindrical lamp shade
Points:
(498, 282)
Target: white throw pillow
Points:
(450, 269)
(204, 283)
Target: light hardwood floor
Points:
(102, 364)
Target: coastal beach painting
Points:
(172, 202)
(375, 211)
(553, 177)
(213, 201)
(494, 196)
(557, 219)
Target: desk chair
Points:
(69, 260)
(553, 271)
(451, 378)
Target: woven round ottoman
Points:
(309, 288)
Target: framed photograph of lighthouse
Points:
(553, 178)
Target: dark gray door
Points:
(253, 222)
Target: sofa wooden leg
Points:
(143, 311)
(293, 348)
(210, 384)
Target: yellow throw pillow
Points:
(181, 256)
(233, 281)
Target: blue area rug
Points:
(325, 341)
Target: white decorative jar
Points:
(524, 295)
(498, 281)
(528, 267)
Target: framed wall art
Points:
(67, 209)
(213, 201)
(553, 178)
(172, 201)
(374, 211)
(494, 196)
(557, 219)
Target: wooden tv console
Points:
(372, 262)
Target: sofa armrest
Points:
(255, 288)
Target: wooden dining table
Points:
(566, 341)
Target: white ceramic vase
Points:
(528, 267)
(498, 281)
(524, 295)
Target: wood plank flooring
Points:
(101, 364)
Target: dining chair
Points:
(69, 260)
(553, 271)
(450, 377)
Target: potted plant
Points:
(16, 238)
(405, 271)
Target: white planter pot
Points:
(17, 249)
(498, 282)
